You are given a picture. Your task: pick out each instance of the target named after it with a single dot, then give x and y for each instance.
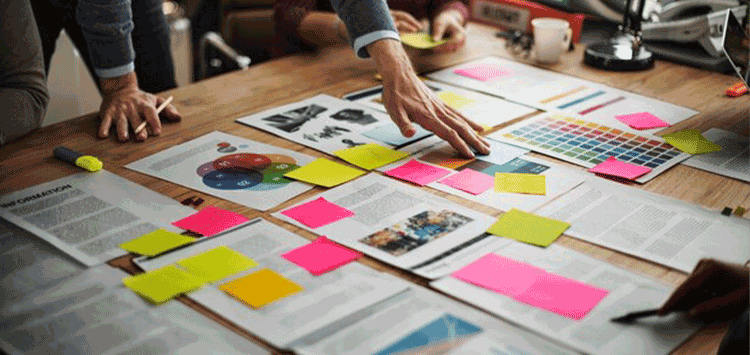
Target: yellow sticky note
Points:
(324, 172)
(420, 40)
(217, 263)
(370, 156)
(528, 228)
(691, 141)
(261, 288)
(156, 242)
(521, 183)
(163, 284)
(455, 100)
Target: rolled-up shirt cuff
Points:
(361, 42)
(114, 72)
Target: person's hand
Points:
(714, 291)
(408, 100)
(125, 105)
(405, 22)
(448, 25)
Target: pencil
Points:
(158, 109)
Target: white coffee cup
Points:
(551, 38)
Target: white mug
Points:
(551, 38)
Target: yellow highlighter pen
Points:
(84, 161)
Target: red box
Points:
(517, 15)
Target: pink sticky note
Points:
(642, 120)
(210, 221)
(418, 172)
(317, 213)
(500, 274)
(614, 167)
(563, 296)
(321, 256)
(470, 181)
(482, 72)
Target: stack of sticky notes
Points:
(691, 141)
(163, 284)
(321, 256)
(370, 156)
(261, 288)
(532, 285)
(325, 173)
(614, 167)
(521, 183)
(528, 228)
(317, 213)
(216, 264)
(156, 242)
(420, 40)
(210, 221)
(418, 172)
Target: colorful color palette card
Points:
(470, 181)
(390, 134)
(528, 228)
(420, 40)
(691, 141)
(317, 213)
(614, 167)
(564, 296)
(261, 288)
(163, 284)
(483, 72)
(216, 264)
(370, 156)
(500, 274)
(455, 100)
(324, 172)
(521, 183)
(642, 120)
(321, 256)
(418, 172)
(156, 242)
(211, 221)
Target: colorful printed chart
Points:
(247, 171)
(589, 144)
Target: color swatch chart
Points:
(588, 144)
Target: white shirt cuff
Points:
(115, 72)
(361, 42)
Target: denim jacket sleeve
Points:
(107, 27)
(367, 21)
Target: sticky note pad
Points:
(470, 181)
(317, 213)
(521, 183)
(500, 274)
(321, 256)
(420, 40)
(370, 156)
(455, 100)
(417, 172)
(614, 167)
(483, 72)
(156, 242)
(691, 141)
(163, 284)
(261, 288)
(566, 297)
(325, 173)
(390, 134)
(528, 228)
(217, 263)
(642, 120)
(210, 221)
(739, 211)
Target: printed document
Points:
(732, 160)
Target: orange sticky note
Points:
(261, 288)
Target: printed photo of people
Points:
(415, 231)
(291, 121)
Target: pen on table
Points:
(158, 110)
(87, 162)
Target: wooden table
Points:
(214, 104)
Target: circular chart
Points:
(246, 171)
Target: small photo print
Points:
(415, 231)
(291, 121)
(354, 116)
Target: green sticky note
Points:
(163, 284)
(528, 228)
(370, 156)
(156, 242)
(420, 40)
(691, 141)
(521, 183)
(217, 263)
(325, 173)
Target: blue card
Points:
(390, 134)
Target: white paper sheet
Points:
(595, 334)
(229, 167)
(397, 223)
(649, 226)
(87, 215)
(326, 303)
(733, 160)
